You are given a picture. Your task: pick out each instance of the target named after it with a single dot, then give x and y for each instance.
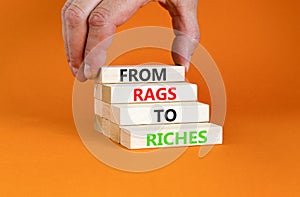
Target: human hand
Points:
(87, 23)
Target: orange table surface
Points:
(256, 46)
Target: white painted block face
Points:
(146, 92)
(141, 74)
(170, 135)
(153, 113)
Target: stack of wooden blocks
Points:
(151, 107)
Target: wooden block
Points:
(97, 124)
(146, 92)
(170, 135)
(103, 109)
(108, 128)
(98, 91)
(138, 74)
(153, 113)
(104, 125)
(114, 132)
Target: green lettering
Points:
(184, 137)
(202, 136)
(193, 136)
(159, 139)
(166, 138)
(151, 138)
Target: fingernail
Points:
(87, 71)
(74, 70)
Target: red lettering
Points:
(149, 94)
(137, 94)
(171, 92)
(162, 96)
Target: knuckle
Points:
(75, 62)
(64, 8)
(196, 35)
(99, 17)
(74, 15)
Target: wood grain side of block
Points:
(104, 110)
(137, 137)
(124, 93)
(97, 126)
(102, 92)
(115, 132)
(159, 73)
(98, 91)
(107, 94)
(104, 124)
(109, 129)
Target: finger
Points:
(102, 25)
(64, 30)
(78, 73)
(186, 29)
(75, 19)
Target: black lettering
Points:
(163, 74)
(148, 74)
(132, 74)
(174, 115)
(158, 114)
(122, 74)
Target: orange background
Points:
(256, 46)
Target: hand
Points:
(86, 23)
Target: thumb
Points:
(186, 29)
